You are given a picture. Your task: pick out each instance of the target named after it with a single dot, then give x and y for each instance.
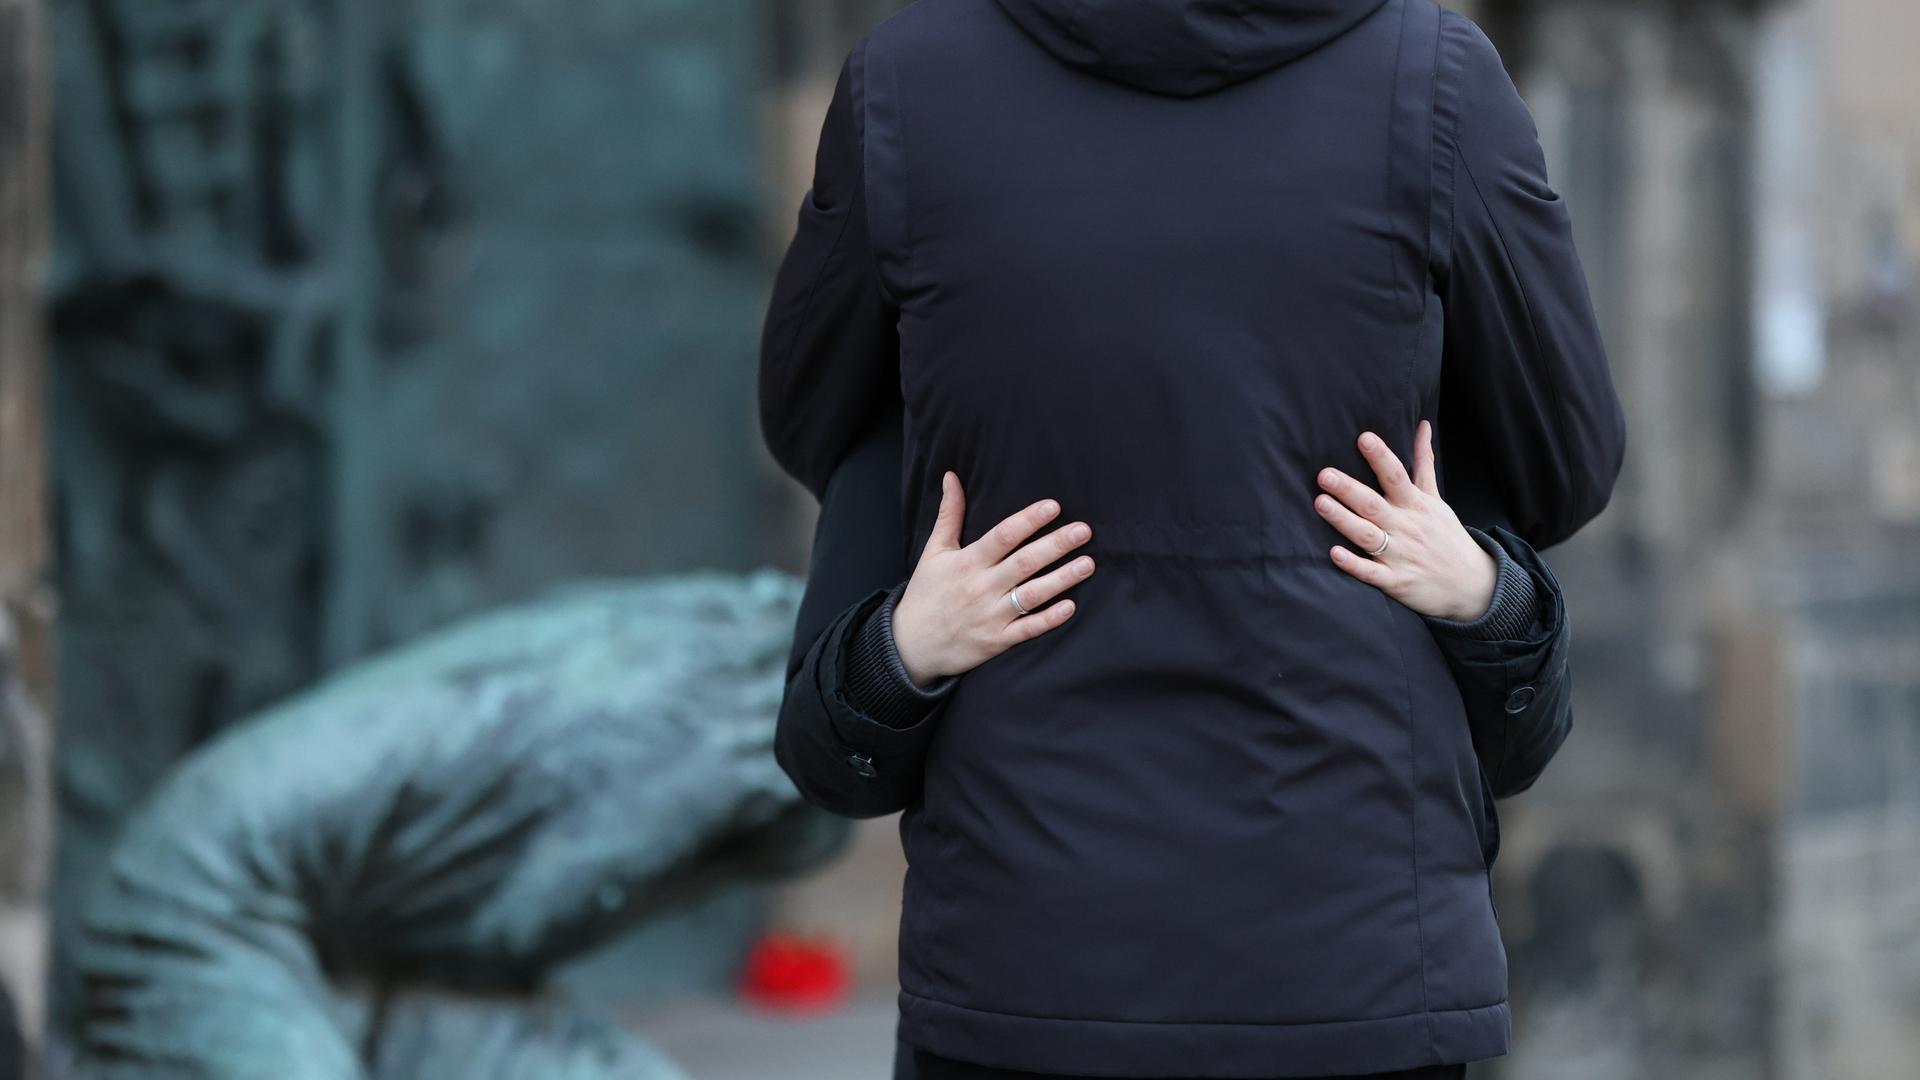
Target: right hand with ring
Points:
(954, 614)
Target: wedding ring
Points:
(1383, 543)
(1013, 597)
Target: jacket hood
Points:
(1184, 47)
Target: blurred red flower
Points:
(794, 972)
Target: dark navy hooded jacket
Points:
(1163, 260)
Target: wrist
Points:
(1475, 594)
(907, 646)
(919, 673)
(1514, 611)
(875, 680)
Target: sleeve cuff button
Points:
(1518, 701)
(863, 764)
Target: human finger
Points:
(1387, 467)
(1424, 477)
(953, 507)
(1366, 534)
(1028, 627)
(1358, 497)
(1373, 573)
(1012, 530)
(1032, 594)
(1040, 554)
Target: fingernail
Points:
(1339, 554)
(1084, 567)
(1049, 507)
(1370, 440)
(1326, 476)
(1066, 607)
(1080, 533)
(1323, 504)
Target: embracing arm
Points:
(1507, 651)
(853, 729)
(852, 709)
(1511, 665)
(849, 735)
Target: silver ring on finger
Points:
(1384, 538)
(1013, 597)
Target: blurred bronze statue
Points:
(374, 878)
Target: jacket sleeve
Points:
(842, 759)
(1514, 609)
(1518, 689)
(829, 353)
(1530, 424)
(843, 750)
(876, 676)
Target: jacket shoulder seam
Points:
(1448, 66)
(890, 235)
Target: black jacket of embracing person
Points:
(1163, 260)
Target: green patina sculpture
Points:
(373, 879)
(368, 316)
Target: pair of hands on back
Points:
(955, 615)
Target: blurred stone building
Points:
(1714, 879)
(1843, 462)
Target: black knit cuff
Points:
(877, 680)
(1513, 613)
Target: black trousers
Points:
(913, 1064)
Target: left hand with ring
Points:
(1425, 558)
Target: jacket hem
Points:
(1219, 1051)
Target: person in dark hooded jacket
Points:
(1158, 261)
(850, 702)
